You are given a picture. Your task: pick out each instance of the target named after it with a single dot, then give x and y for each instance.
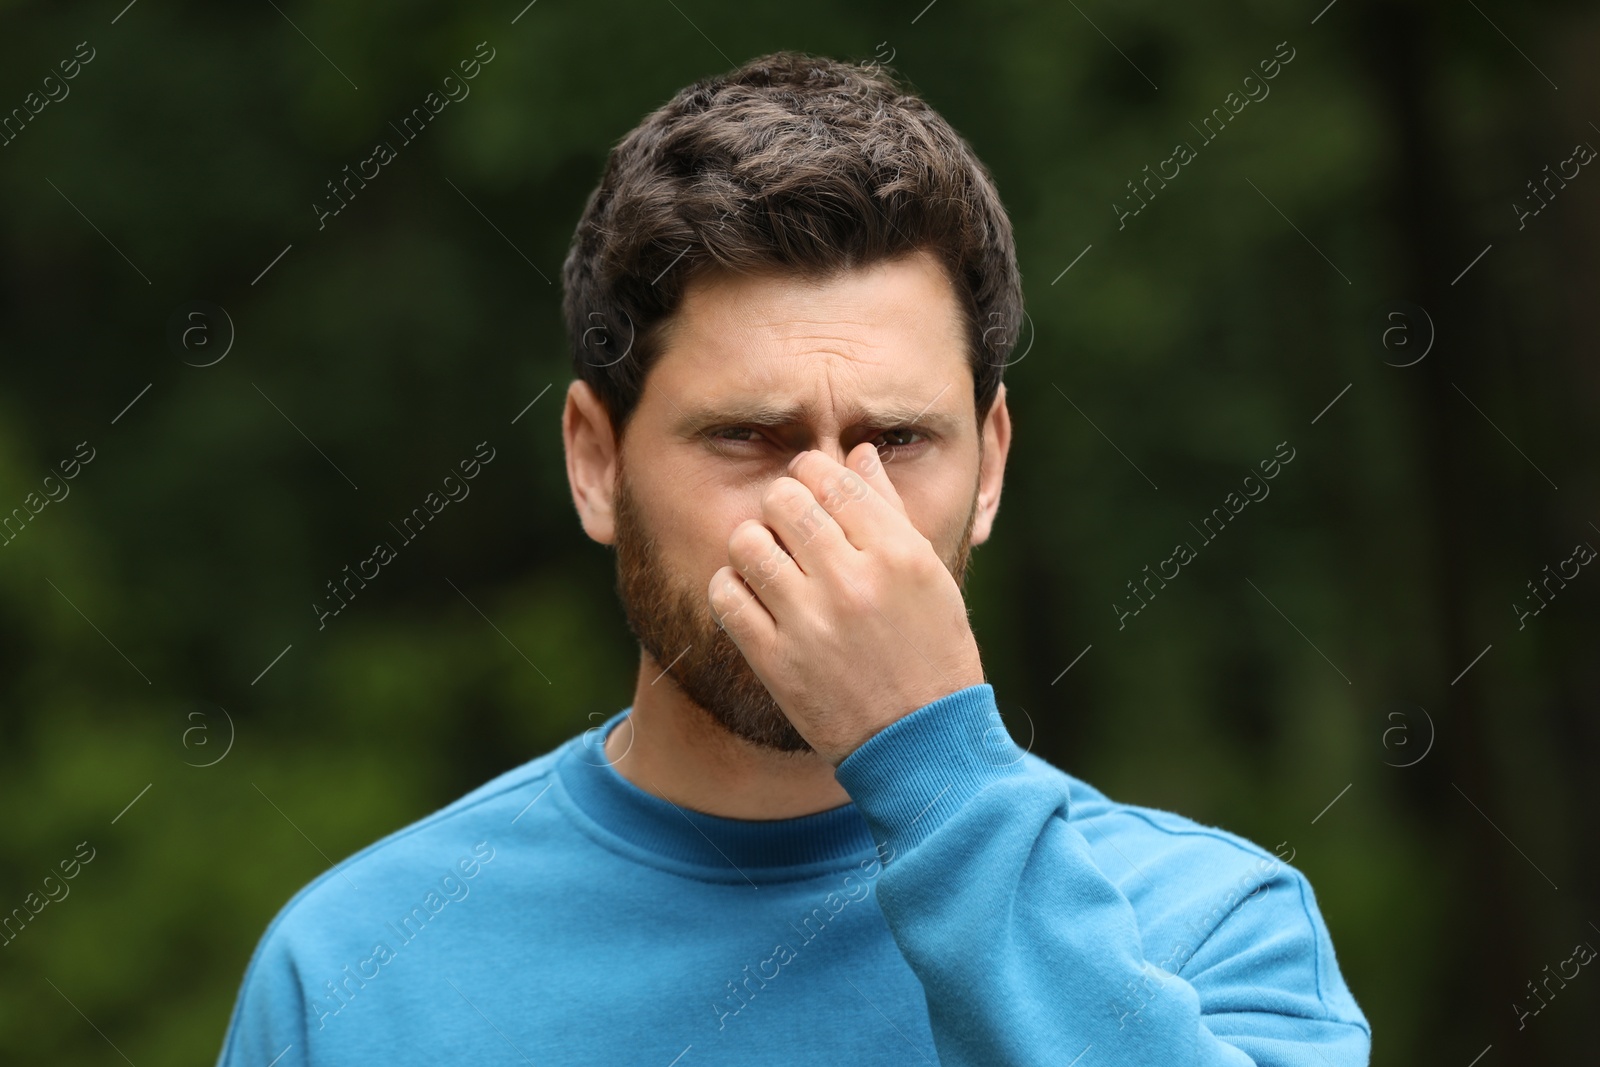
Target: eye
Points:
(897, 445)
(891, 442)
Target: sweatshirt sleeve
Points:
(1029, 955)
(268, 1025)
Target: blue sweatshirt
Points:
(972, 905)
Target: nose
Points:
(831, 447)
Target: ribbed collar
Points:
(697, 844)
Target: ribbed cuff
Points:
(912, 776)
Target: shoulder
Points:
(1211, 904)
(353, 918)
(1137, 838)
(447, 847)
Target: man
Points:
(810, 839)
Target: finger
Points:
(867, 461)
(867, 515)
(736, 609)
(813, 539)
(768, 571)
(886, 456)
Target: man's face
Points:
(756, 370)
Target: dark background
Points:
(1360, 618)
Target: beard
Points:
(669, 615)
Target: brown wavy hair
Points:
(791, 163)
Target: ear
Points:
(591, 460)
(996, 435)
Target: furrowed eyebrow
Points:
(699, 420)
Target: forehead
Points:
(891, 331)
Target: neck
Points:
(669, 747)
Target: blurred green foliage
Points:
(149, 602)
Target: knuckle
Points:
(760, 560)
(723, 592)
(724, 599)
(913, 560)
(809, 522)
(746, 541)
(781, 495)
(844, 488)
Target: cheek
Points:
(944, 509)
(694, 535)
(711, 526)
(934, 500)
